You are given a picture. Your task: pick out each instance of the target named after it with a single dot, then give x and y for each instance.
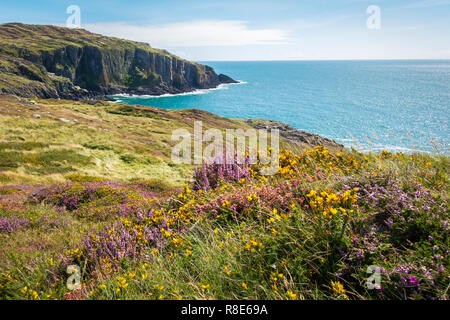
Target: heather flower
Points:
(213, 174)
(11, 224)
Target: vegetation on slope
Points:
(57, 62)
(36, 38)
(309, 232)
(75, 140)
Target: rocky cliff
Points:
(55, 62)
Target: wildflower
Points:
(227, 270)
(205, 286)
(244, 285)
(291, 295)
(165, 233)
(312, 193)
(34, 294)
(338, 288)
(271, 220)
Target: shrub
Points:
(10, 160)
(11, 224)
(211, 175)
(128, 158)
(95, 146)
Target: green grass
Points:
(19, 42)
(292, 252)
(107, 141)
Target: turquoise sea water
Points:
(370, 105)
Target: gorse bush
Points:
(312, 231)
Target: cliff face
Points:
(55, 62)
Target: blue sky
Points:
(259, 29)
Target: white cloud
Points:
(192, 34)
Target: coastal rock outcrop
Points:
(55, 62)
(294, 135)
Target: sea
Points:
(398, 106)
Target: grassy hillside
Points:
(76, 140)
(99, 193)
(36, 38)
(55, 62)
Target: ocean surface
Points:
(400, 106)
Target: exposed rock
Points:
(77, 64)
(66, 120)
(36, 116)
(226, 79)
(294, 135)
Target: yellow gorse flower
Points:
(291, 295)
(338, 288)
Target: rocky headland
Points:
(294, 135)
(55, 62)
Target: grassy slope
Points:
(256, 238)
(35, 38)
(107, 140)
